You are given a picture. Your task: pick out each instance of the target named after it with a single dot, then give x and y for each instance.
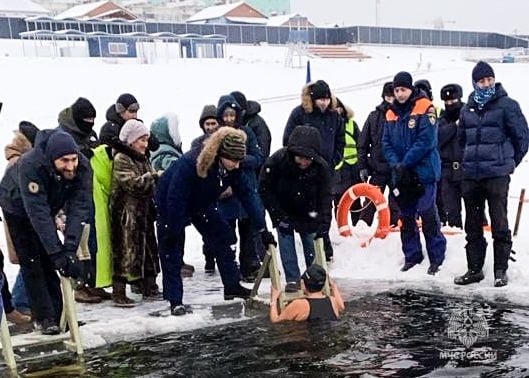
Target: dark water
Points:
(400, 334)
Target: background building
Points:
(268, 7)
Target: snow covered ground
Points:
(37, 89)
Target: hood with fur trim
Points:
(207, 156)
(166, 130)
(18, 146)
(306, 100)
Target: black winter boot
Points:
(500, 278)
(469, 277)
(237, 292)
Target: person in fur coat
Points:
(133, 215)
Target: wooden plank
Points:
(321, 260)
(275, 277)
(7, 347)
(71, 313)
(36, 338)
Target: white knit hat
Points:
(132, 130)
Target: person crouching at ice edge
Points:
(135, 251)
(188, 193)
(410, 147)
(54, 175)
(295, 186)
(316, 305)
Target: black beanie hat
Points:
(60, 143)
(425, 86)
(81, 109)
(240, 98)
(451, 92)
(403, 79)
(320, 89)
(387, 89)
(314, 278)
(124, 101)
(233, 147)
(481, 70)
(29, 130)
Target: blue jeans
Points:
(289, 258)
(20, 298)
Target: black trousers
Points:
(248, 260)
(495, 192)
(369, 212)
(451, 200)
(42, 282)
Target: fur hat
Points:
(132, 130)
(314, 278)
(403, 79)
(451, 92)
(214, 143)
(481, 70)
(125, 101)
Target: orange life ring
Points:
(375, 195)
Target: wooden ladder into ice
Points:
(270, 262)
(71, 340)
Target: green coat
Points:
(102, 168)
(166, 131)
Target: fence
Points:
(255, 34)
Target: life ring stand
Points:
(375, 195)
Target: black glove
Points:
(285, 227)
(268, 239)
(322, 232)
(67, 264)
(364, 175)
(397, 173)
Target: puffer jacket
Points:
(495, 138)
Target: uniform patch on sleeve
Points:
(411, 123)
(33, 187)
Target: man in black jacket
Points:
(495, 137)
(78, 121)
(295, 187)
(451, 155)
(371, 160)
(125, 108)
(54, 175)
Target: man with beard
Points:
(54, 175)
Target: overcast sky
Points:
(506, 16)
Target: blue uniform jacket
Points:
(410, 138)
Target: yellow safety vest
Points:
(350, 153)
